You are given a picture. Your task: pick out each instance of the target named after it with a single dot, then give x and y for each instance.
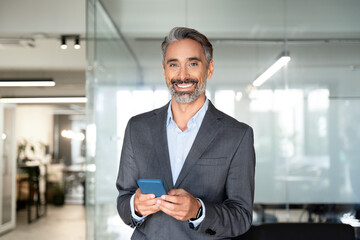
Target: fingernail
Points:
(158, 202)
(152, 196)
(163, 197)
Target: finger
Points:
(168, 205)
(168, 208)
(179, 215)
(150, 210)
(149, 203)
(146, 197)
(174, 192)
(142, 196)
(168, 211)
(172, 199)
(145, 205)
(172, 208)
(147, 208)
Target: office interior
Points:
(305, 116)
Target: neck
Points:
(183, 112)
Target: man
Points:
(205, 158)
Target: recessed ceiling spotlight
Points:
(63, 43)
(77, 42)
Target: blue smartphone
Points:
(154, 186)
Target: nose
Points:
(183, 73)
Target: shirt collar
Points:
(197, 118)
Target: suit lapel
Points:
(207, 132)
(158, 124)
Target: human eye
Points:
(173, 65)
(193, 64)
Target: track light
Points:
(63, 42)
(77, 42)
(282, 61)
(67, 37)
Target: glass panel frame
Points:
(8, 168)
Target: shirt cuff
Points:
(197, 222)
(135, 217)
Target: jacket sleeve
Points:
(233, 216)
(126, 180)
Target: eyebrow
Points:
(190, 59)
(194, 59)
(171, 60)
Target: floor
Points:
(66, 222)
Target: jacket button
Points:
(209, 231)
(191, 225)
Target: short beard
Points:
(189, 96)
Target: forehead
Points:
(186, 48)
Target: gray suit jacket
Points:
(219, 170)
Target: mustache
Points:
(187, 80)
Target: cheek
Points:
(199, 73)
(169, 74)
(201, 77)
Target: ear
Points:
(210, 69)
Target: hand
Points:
(179, 204)
(145, 204)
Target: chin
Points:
(185, 97)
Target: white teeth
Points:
(185, 86)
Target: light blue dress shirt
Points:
(179, 144)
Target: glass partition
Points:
(109, 61)
(304, 117)
(7, 167)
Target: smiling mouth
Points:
(187, 83)
(184, 85)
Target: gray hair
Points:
(180, 33)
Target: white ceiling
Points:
(245, 35)
(40, 24)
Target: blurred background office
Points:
(101, 63)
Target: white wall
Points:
(35, 123)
